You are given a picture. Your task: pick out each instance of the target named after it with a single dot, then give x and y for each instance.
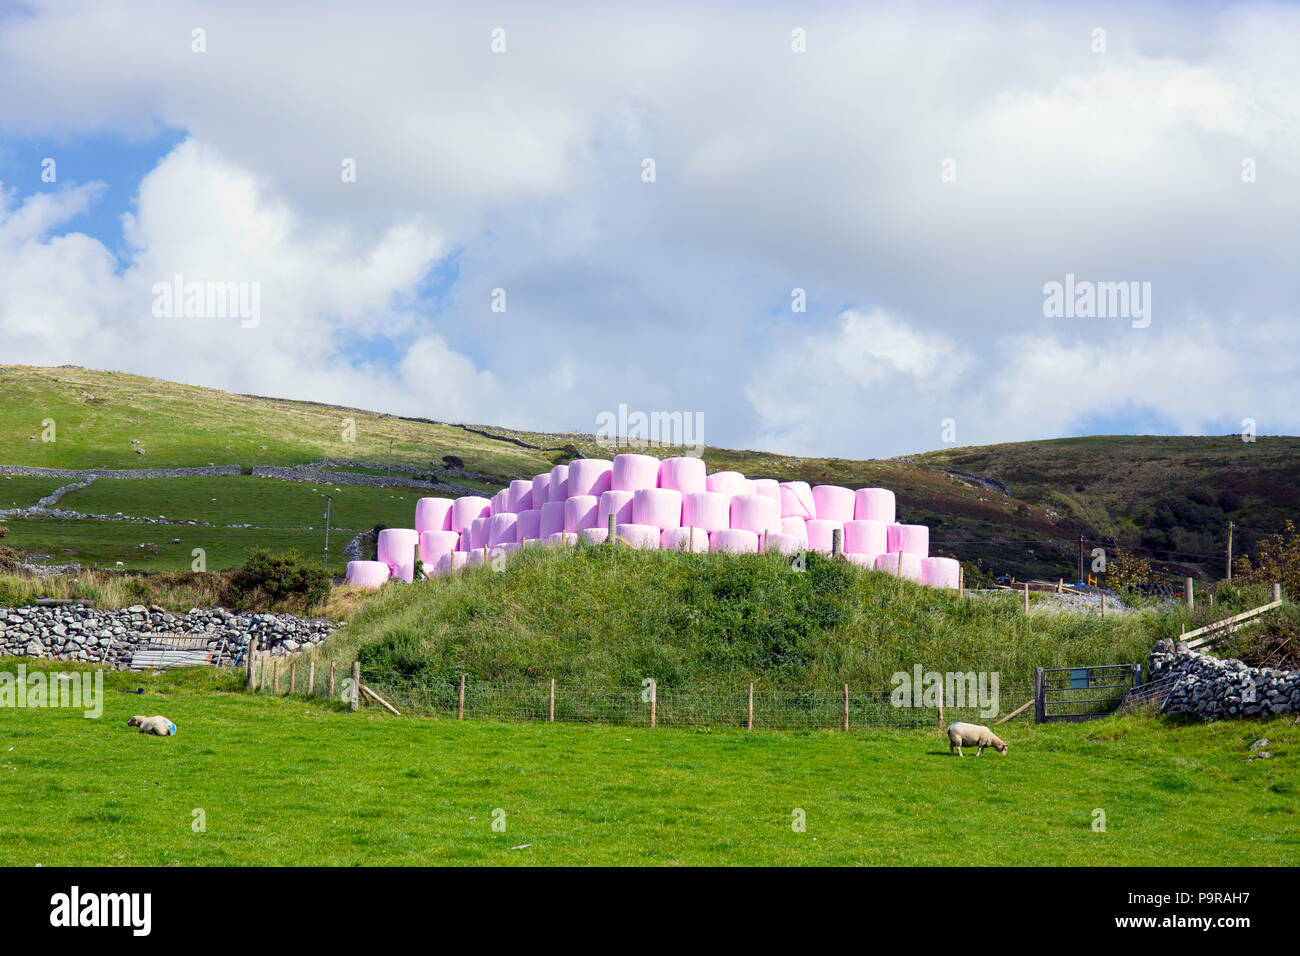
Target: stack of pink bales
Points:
(670, 504)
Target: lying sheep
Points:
(157, 725)
(973, 735)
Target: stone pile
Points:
(1211, 688)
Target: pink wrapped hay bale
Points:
(397, 546)
(683, 474)
(581, 511)
(561, 539)
(710, 510)
(434, 544)
(466, 509)
(661, 507)
(594, 535)
(867, 561)
(530, 524)
(616, 503)
(433, 514)
(865, 537)
(797, 500)
(476, 535)
(941, 572)
(820, 532)
(451, 562)
(501, 502)
(521, 495)
(559, 487)
(631, 472)
(756, 513)
(734, 541)
(475, 558)
(910, 539)
(874, 504)
(589, 476)
(367, 574)
(405, 571)
(684, 539)
(912, 569)
(541, 489)
(833, 503)
(642, 536)
(552, 519)
(503, 529)
(797, 527)
(727, 483)
(781, 543)
(767, 487)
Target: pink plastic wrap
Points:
(476, 535)
(434, 544)
(797, 500)
(503, 529)
(541, 490)
(559, 487)
(941, 572)
(727, 483)
(756, 513)
(683, 474)
(405, 571)
(913, 570)
(561, 539)
(501, 502)
(581, 511)
(684, 539)
(475, 558)
(914, 539)
(530, 524)
(874, 504)
(865, 537)
(466, 509)
(661, 507)
(594, 535)
(589, 476)
(521, 495)
(552, 520)
(797, 527)
(706, 509)
(768, 488)
(616, 503)
(781, 543)
(450, 563)
(433, 514)
(819, 533)
(643, 536)
(397, 546)
(631, 472)
(833, 503)
(867, 561)
(734, 541)
(367, 574)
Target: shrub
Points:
(268, 580)
(1277, 559)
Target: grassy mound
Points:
(612, 616)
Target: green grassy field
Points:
(286, 781)
(19, 491)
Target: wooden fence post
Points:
(837, 543)
(750, 724)
(311, 678)
(654, 701)
(941, 711)
(275, 676)
(612, 525)
(354, 700)
(1026, 597)
(1189, 593)
(552, 700)
(261, 672)
(331, 694)
(1040, 697)
(846, 707)
(1277, 591)
(460, 706)
(1103, 603)
(293, 677)
(961, 581)
(251, 651)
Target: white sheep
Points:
(973, 735)
(157, 725)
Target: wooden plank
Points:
(1228, 621)
(1028, 703)
(379, 700)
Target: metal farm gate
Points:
(1082, 693)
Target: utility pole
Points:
(329, 500)
(1229, 552)
(390, 459)
(1081, 559)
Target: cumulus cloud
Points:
(775, 170)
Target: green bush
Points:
(277, 581)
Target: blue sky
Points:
(919, 173)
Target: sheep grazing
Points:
(157, 725)
(973, 735)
